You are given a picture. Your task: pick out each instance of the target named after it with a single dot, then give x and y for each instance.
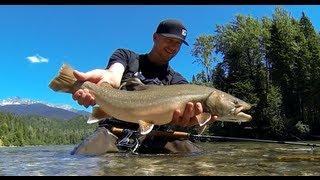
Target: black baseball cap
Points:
(173, 29)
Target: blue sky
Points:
(36, 40)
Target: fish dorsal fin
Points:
(97, 115)
(136, 84)
(145, 127)
(105, 85)
(203, 118)
(141, 87)
(133, 83)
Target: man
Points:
(151, 68)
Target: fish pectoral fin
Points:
(202, 129)
(203, 118)
(145, 127)
(97, 115)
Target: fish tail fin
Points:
(64, 81)
(203, 118)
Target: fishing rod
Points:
(254, 140)
(204, 138)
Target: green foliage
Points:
(35, 130)
(204, 56)
(276, 123)
(271, 63)
(301, 129)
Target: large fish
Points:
(153, 105)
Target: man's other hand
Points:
(188, 117)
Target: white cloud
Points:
(37, 59)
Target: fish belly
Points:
(156, 114)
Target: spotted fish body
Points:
(154, 105)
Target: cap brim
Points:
(175, 36)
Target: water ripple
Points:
(225, 158)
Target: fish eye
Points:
(236, 102)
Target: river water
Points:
(219, 158)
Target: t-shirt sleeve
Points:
(121, 56)
(178, 79)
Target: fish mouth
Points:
(237, 115)
(243, 117)
(240, 115)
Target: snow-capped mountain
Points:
(22, 106)
(16, 101)
(20, 101)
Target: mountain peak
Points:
(24, 101)
(17, 101)
(20, 105)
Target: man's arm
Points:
(112, 75)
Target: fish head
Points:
(228, 107)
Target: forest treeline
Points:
(272, 63)
(36, 130)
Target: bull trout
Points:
(153, 105)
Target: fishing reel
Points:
(128, 141)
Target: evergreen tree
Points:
(311, 57)
(35, 130)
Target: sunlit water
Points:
(223, 158)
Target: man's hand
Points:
(188, 118)
(82, 95)
(112, 76)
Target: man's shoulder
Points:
(172, 71)
(126, 51)
(177, 78)
(127, 54)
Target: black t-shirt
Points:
(152, 73)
